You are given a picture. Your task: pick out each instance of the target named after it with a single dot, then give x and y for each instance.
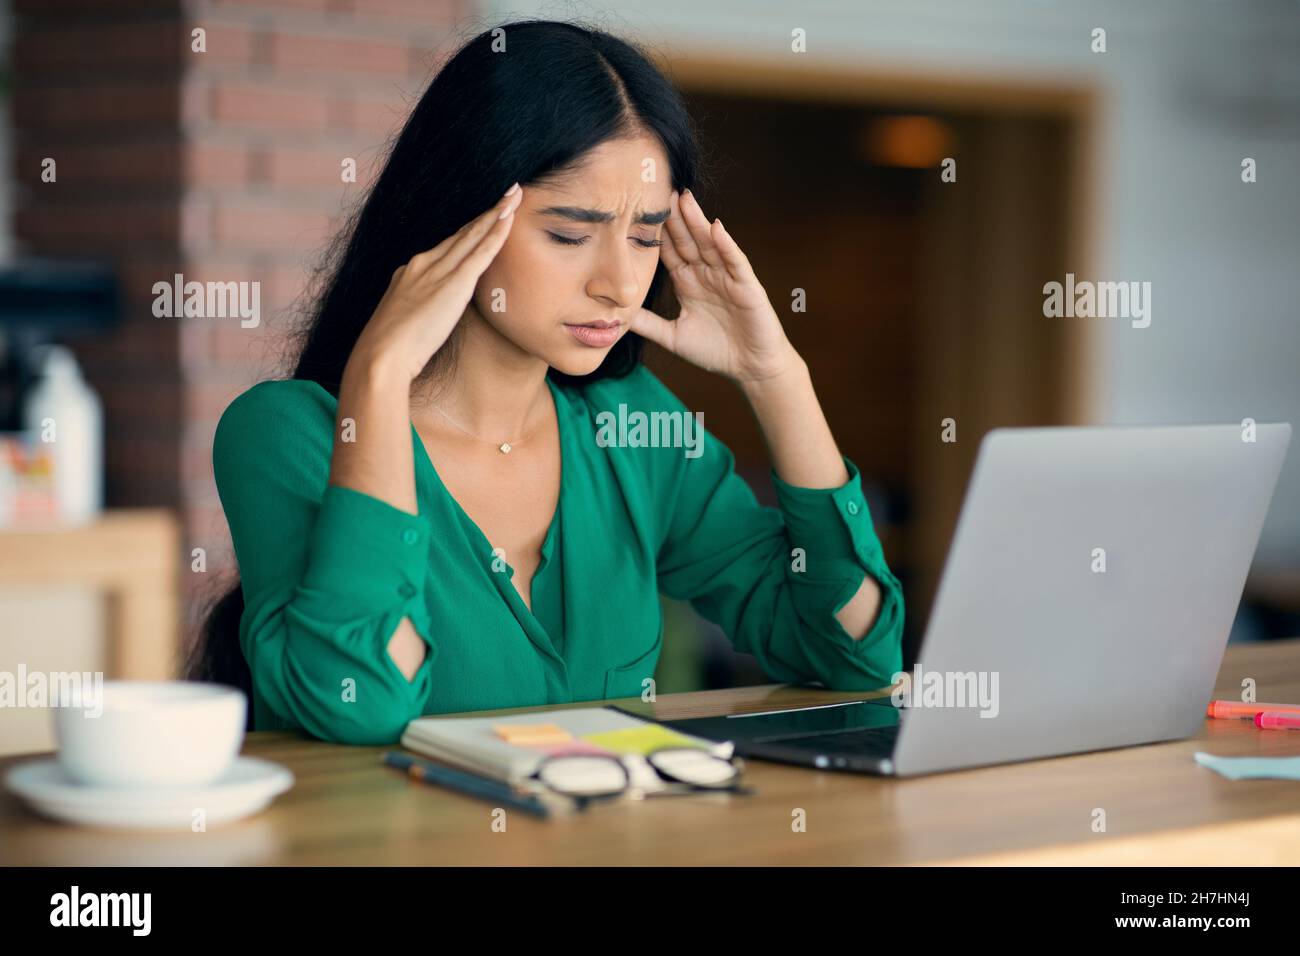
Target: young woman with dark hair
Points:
(432, 515)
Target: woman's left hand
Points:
(726, 323)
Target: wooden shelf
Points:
(129, 556)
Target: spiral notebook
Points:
(510, 747)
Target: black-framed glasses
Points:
(587, 777)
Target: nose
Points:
(615, 280)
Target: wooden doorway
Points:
(924, 297)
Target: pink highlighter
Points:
(1277, 720)
(1235, 709)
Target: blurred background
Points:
(129, 157)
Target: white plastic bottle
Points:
(63, 405)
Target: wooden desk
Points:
(1161, 808)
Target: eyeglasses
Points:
(587, 777)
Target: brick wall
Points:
(222, 165)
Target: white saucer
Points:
(246, 787)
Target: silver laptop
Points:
(1085, 604)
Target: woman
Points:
(436, 513)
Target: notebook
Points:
(509, 748)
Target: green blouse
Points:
(329, 572)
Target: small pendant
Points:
(505, 448)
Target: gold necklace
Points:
(505, 447)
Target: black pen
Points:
(467, 783)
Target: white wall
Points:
(1190, 87)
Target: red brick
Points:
(205, 527)
(37, 9)
(136, 342)
(342, 54)
(62, 51)
(142, 401)
(417, 12)
(379, 115)
(320, 167)
(86, 110)
(281, 283)
(218, 164)
(241, 104)
(137, 275)
(196, 464)
(260, 226)
(153, 166)
(236, 348)
(204, 402)
(264, 6)
(101, 226)
(223, 166)
(145, 460)
(423, 12)
(227, 43)
(205, 518)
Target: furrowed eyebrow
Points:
(577, 214)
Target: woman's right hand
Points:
(427, 296)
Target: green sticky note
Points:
(1243, 768)
(641, 740)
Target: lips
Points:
(599, 334)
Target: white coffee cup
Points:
(151, 733)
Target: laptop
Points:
(1085, 604)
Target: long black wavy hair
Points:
(523, 101)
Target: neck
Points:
(496, 391)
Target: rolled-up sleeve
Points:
(328, 574)
(833, 529)
(774, 577)
(365, 552)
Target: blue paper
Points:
(1243, 768)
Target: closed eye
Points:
(570, 241)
